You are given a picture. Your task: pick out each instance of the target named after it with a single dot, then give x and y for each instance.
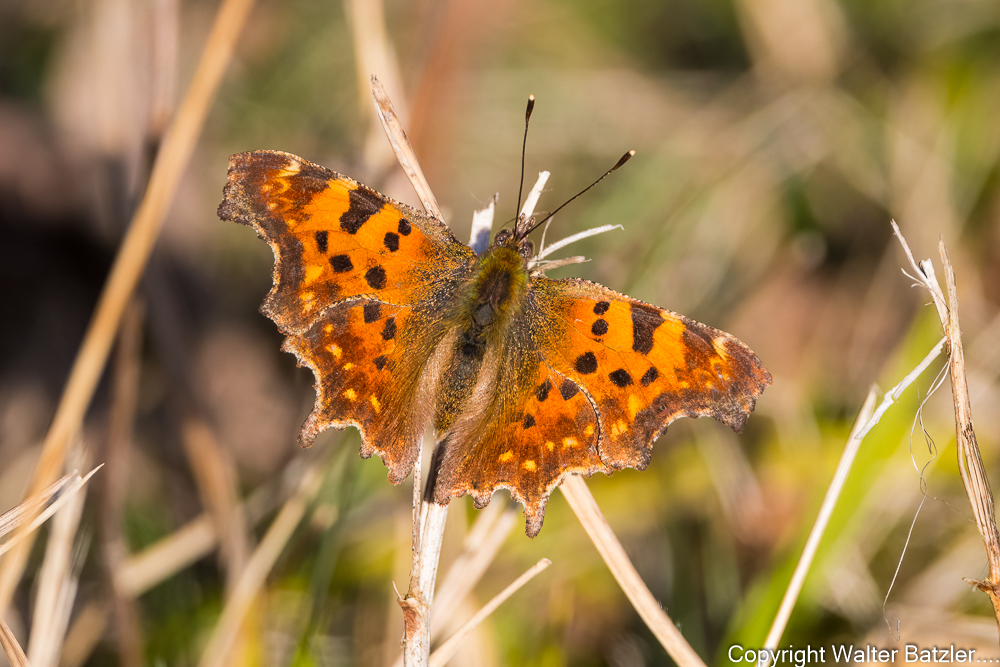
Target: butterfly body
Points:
(525, 379)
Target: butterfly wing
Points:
(357, 277)
(589, 379)
(527, 431)
(643, 367)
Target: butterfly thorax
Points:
(495, 294)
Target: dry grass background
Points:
(775, 139)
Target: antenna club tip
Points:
(531, 98)
(623, 160)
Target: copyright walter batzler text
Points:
(852, 653)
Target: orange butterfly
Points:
(525, 379)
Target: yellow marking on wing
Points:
(506, 456)
(619, 427)
(348, 366)
(351, 395)
(294, 167)
(589, 430)
(634, 405)
(312, 274)
(376, 405)
(529, 466)
(328, 328)
(570, 442)
(550, 445)
(335, 350)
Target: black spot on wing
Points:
(649, 376)
(620, 377)
(380, 361)
(391, 241)
(601, 307)
(375, 277)
(645, 319)
(364, 204)
(529, 421)
(542, 392)
(599, 328)
(389, 332)
(321, 241)
(568, 389)
(586, 363)
(373, 312)
(404, 227)
(341, 263)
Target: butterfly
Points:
(525, 379)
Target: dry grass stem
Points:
(167, 556)
(562, 243)
(534, 194)
(57, 580)
(75, 485)
(488, 534)
(216, 478)
(443, 654)
(490, 530)
(252, 577)
(482, 223)
(600, 533)
(11, 648)
(416, 604)
(819, 527)
(130, 262)
(85, 633)
(374, 55)
(15, 516)
(185, 546)
(970, 460)
(402, 148)
(125, 386)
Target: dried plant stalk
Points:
(15, 655)
(257, 568)
(444, 653)
(403, 150)
(822, 520)
(970, 461)
(589, 514)
(129, 264)
(76, 483)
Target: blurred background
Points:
(775, 140)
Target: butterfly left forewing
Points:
(334, 239)
(642, 366)
(359, 281)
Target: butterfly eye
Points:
(502, 236)
(527, 249)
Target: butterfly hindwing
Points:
(535, 428)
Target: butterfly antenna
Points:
(524, 145)
(625, 158)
